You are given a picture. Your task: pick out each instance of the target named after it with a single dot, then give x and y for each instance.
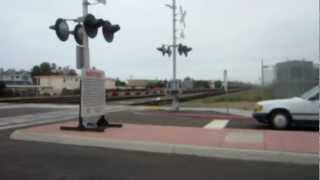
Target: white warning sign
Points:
(93, 99)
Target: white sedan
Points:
(297, 111)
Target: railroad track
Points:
(136, 100)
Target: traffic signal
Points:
(62, 29)
(108, 30)
(182, 49)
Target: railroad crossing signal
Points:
(62, 29)
(78, 34)
(165, 50)
(182, 49)
(89, 24)
(108, 30)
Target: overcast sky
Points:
(225, 34)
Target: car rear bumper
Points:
(261, 117)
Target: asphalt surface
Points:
(31, 160)
(174, 119)
(156, 119)
(184, 118)
(24, 111)
(34, 160)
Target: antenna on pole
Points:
(183, 15)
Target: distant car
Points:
(297, 111)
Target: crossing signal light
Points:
(182, 49)
(78, 34)
(62, 29)
(91, 25)
(108, 30)
(162, 49)
(168, 51)
(165, 50)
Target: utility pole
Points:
(174, 86)
(175, 100)
(225, 87)
(262, 74)
(85, 45)
(262, 79)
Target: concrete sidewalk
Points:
(261, 145)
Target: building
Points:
(110, 83)
(13, 77)
(17, 83)
(212, 84)
(187, 84)
(292, 78)
(55, 84)
(138, 83)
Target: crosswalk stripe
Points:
(217, 124)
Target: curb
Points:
(201, 151)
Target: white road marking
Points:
(217, 124)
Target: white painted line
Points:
(217, 124)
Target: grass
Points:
(242, 100)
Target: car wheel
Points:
(280, 120)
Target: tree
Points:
(35, 71)
(53, 66)
(45, 68)
(201, 84)
(72, 72)
(120, 83)
(218, 84)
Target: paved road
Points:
(24, 111)
(189, 119)
(22, 115)
(30, 160)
